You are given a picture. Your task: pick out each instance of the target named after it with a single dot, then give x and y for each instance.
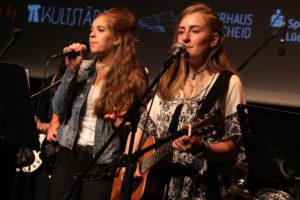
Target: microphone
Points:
(72, 53)
(17, 32)
(178, 49)
(281, 49)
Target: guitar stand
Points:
(271, 139)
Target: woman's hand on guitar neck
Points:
(137, 173)
(42, 127)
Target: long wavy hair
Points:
(174, 78)
(126, 80)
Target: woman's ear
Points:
(214, 40)
(117, 40)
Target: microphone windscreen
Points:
(17, 32)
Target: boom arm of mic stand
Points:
(272, 36)
(45, 89)
(13, 39)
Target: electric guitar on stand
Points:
(45, 156)
(153, 185)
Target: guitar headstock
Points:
(209, 122)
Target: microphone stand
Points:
(45, 89)
(125, 160)
(263, 44)
(10, 43)
(260, 46)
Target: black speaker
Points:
(17, 125)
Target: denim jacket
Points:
(68, 132)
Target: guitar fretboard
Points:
(199, 127)
(160, 153)
(51, 149)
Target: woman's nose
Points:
(184, 38)
(92, 34)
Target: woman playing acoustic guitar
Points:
(201, 85)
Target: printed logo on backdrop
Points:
(237, 25)
(63, 16)
(293, 25)
(159, 22)
(277, 19)
(67, 16)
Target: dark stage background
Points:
(48, 25)
(268, 78)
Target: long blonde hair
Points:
(126, 79)
(174, 78)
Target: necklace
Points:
(100, 73)
(196, 85)
(101, 67)
(194, 75)
(204, 96)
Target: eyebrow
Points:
(98, 26)
(191, 26)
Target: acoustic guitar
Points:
(154, 182)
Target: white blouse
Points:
(88, 125)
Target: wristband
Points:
(205, 148)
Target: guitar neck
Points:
(164, 149)
(51, 149)
(160, 153)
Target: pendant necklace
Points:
(194, 75)
(193, 81)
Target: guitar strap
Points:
(218, 90)
(175, 119)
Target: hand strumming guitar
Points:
(52, 130)
(188, 143)
(218, 151)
